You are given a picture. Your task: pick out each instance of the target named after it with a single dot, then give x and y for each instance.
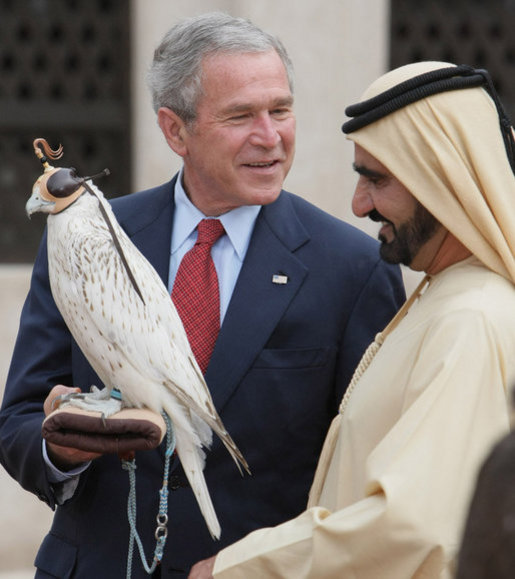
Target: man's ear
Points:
(173, 129)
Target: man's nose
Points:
(264, 132)
(362, 203)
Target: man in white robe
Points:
(434, 152)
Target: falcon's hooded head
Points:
(57, 188)
(55, 191)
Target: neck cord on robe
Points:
(450, 251)
(332, 435)
(373, 348)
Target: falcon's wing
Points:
(137, 344)
(148, 334)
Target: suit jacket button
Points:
(175, 483)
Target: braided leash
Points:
(161, 532)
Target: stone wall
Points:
(24, 519)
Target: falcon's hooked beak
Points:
(36, 203)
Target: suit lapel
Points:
(258, 303)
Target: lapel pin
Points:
(280, 279)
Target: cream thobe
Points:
(410, 441)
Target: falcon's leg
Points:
(96, 401)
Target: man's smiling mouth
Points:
(262, 164)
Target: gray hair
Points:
(174, 78)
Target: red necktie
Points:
(196, 294)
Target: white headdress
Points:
(441, 130)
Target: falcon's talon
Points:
(66, 398)
(94, 401)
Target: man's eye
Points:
(376, 181)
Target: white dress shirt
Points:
(228, 252)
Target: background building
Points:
(73, 71)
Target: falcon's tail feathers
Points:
(234, 451)
(206, 426)
(192, 460)
(214, 422)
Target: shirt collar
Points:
(238, 223)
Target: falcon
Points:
(122, 317)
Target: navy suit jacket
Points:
(283, 358)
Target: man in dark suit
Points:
(301, 296)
